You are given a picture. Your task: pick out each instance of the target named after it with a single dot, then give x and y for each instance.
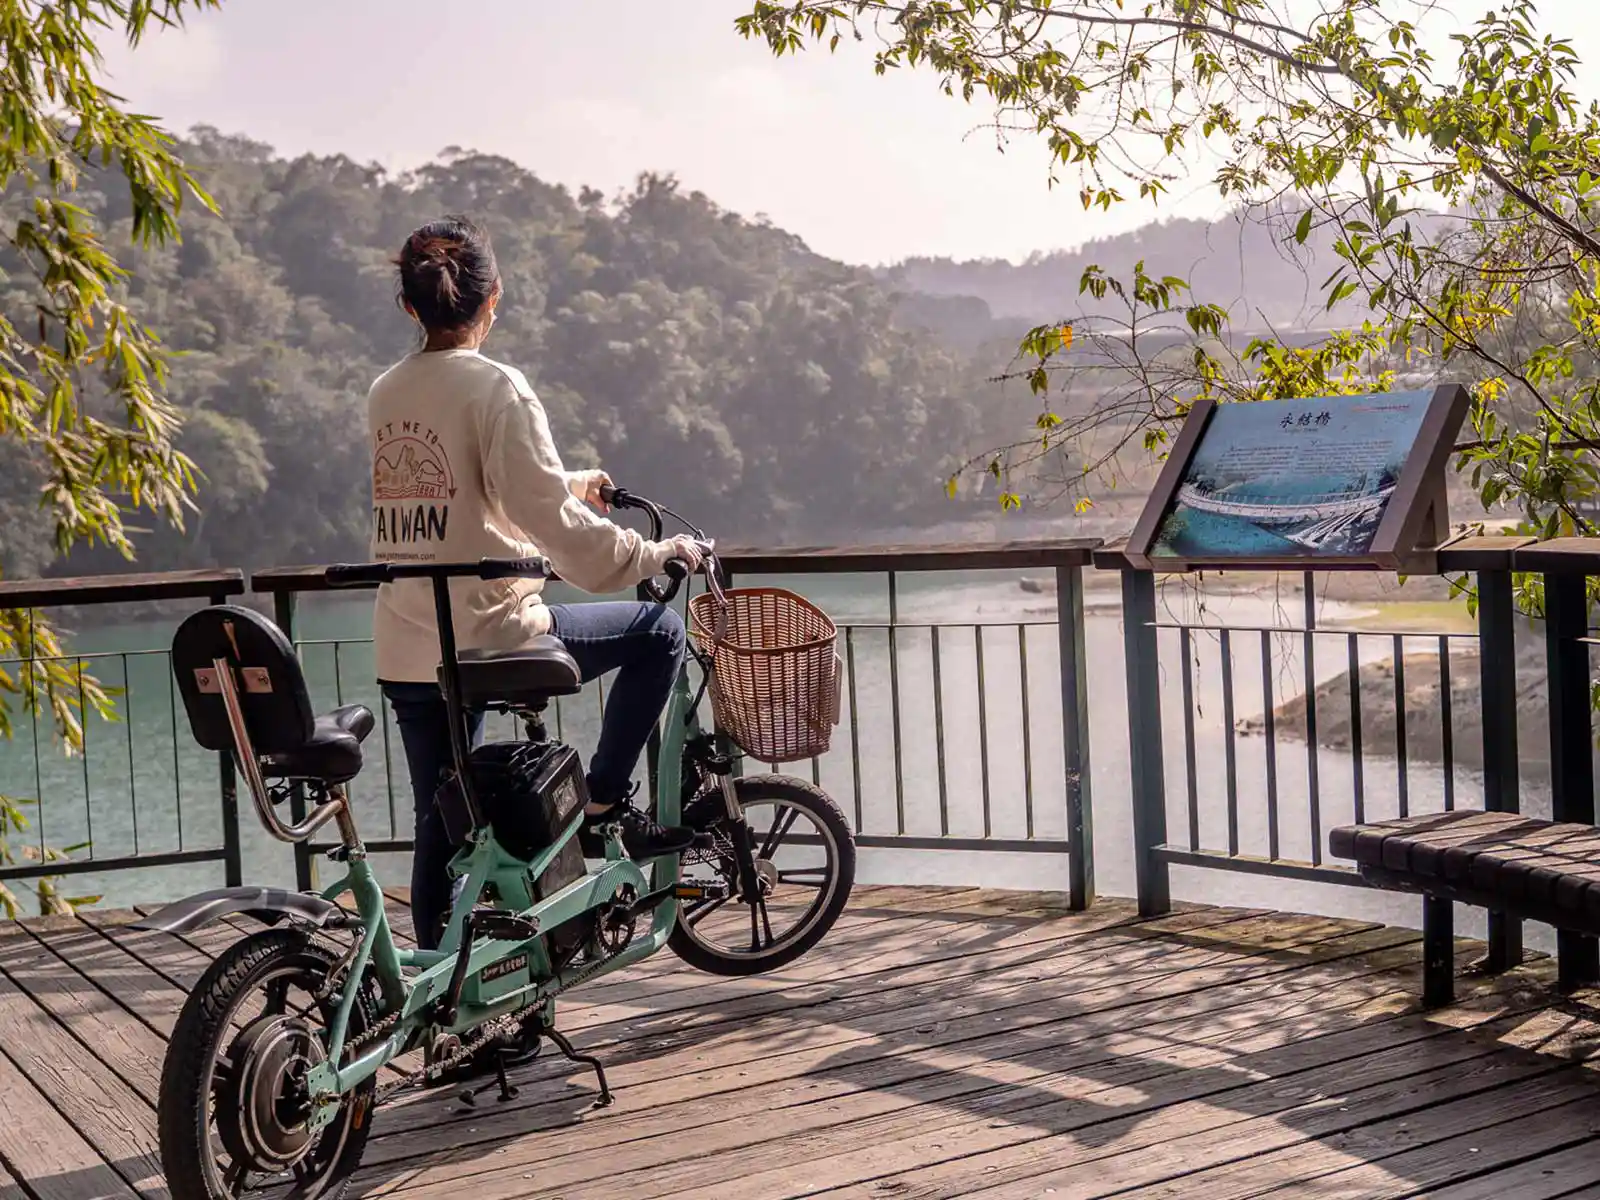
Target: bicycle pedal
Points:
(717, 890)
(650, 901)
(504, 927)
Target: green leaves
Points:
(81, 392)
(86, 389)
(1458, 196)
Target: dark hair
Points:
(447, 273)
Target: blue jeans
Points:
(643, 643)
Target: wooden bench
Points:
(1544, 871)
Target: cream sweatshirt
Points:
(463, 467)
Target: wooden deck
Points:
(940, 1043)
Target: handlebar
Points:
(675, 569)
(618, 497)
(351, 575)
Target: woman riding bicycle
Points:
(464, 467)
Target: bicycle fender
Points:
(265, 904)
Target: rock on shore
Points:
(1424, 710)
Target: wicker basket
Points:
(775, 677)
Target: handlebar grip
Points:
(621, 497)
(357, 575)
(513, 568)
(675, 569)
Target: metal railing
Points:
(1492, 561)
(129, 826)
(968, 734)
(935, 686)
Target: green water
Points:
(979, 749)
(143, 786)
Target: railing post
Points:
(305, 870)
(1566, 610)
(1075, 734)
(1497, 682)
(228, 780)
(1144, 741)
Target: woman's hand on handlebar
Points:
(689, 551)
(592, 487)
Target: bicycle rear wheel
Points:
(234, 1115)
(805, 859)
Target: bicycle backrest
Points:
(272, 689)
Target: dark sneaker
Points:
(642, 835)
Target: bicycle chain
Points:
(381, 1028)
(490, 1031)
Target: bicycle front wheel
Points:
(805, 865)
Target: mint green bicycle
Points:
(272, 1073)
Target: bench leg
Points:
(1505, 943)
(1438, 952)
(1577, 956)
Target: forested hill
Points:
(1247, 266)
(709, 359)
(699, 356)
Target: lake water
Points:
(139, 787)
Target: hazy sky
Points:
(865, 168)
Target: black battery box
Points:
(529, 792)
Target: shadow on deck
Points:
(949, 1043)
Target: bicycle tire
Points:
(708, 810)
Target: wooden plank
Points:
(812, 560)
(905, 917)
(749, 1040)
(121, 589)
(816, 1094)
(1110, 1062)
(741, 999)
(996, 1040)
(733, 1072)
(1170, 1153)
(105, 1029)
(872, 1012)
(957, 1157)
(150, 996)
(172, 958)
(101, 1108)
(1488, 553)
(44, 1152)
(857, 1024)
(952, 944)
(1559, 555)
(1259, 1156)
(1503, 1133)
(1563, 1173)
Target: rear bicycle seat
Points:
(283, 735)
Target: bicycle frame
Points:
(483, 862)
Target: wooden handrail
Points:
(212, 584)
(814, 560)
(1560, 556)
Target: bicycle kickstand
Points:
(570, 1053)
(508, 1090)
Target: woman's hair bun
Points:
(447, 273)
